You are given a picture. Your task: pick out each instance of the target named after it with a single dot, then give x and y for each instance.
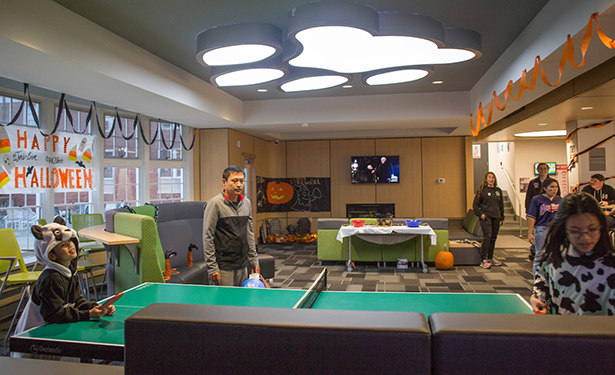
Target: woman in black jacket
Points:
(489, 207)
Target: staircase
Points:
(511, 221)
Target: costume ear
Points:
(37, 231)
(59, 220)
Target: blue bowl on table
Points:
(413, 223)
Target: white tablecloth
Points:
(349, 230)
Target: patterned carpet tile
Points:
(297, 266)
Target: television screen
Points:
(552, 169)
(374, 169)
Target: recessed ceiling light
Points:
(347, 86)
(262, 90)
(546, 133)
(542, 124)
(586, 108)
(437, 82)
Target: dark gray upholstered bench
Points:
(178, 339)
(180, 224)
(522, 344)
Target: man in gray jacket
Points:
(228, 237)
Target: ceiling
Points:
(168, 29)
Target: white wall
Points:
(502, 157)
(530, 152)
(586, 138)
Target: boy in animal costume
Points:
(56, 297)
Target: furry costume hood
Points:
(49, 236)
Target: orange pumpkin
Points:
(279, 192)
(444, 260)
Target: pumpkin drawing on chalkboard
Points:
(279, 192)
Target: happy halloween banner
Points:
(312, 194)
(34, 163)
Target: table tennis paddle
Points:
(111, 300)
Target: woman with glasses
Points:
(541, 211)
(577, 271)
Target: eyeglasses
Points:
(577, 233)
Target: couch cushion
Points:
(522, 344)
(179, 225)
(436, 223)
(263, 340)
(332, 223)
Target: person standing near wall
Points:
(542, 210)
(489, 206)
(534, 188)
(228, 237)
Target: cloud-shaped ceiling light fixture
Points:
(348, 38)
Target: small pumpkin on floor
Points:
(444, 260)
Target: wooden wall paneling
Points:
(214, 157)
(342, 191)
(236, 150)
(408, 193)
(469, 172)
(444, 158)
(308, 159)
(270, 158)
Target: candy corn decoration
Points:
(72, 154)
(4, 179)
(5, 142)
(167, 269)
(87, 155)
(190, 248)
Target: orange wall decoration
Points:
(567, 56)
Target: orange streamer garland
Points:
(567, 56)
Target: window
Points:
(20, 212)
(116, 146)
(67, 204)
(121, 186)
(158, 151)
(9, 107)
(79, 122)
(166, 185)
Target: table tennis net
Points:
(311, 295)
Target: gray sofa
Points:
(312, 341)
(179, 225)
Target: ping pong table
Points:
(104, 338)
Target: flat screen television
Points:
(374, 169)
(552, 169)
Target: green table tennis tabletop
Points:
(104, 338)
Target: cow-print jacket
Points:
(581, 285)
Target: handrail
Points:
(516, 196)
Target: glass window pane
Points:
(116, 146)
(165, 186)
(121, 186)
(157, 150)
